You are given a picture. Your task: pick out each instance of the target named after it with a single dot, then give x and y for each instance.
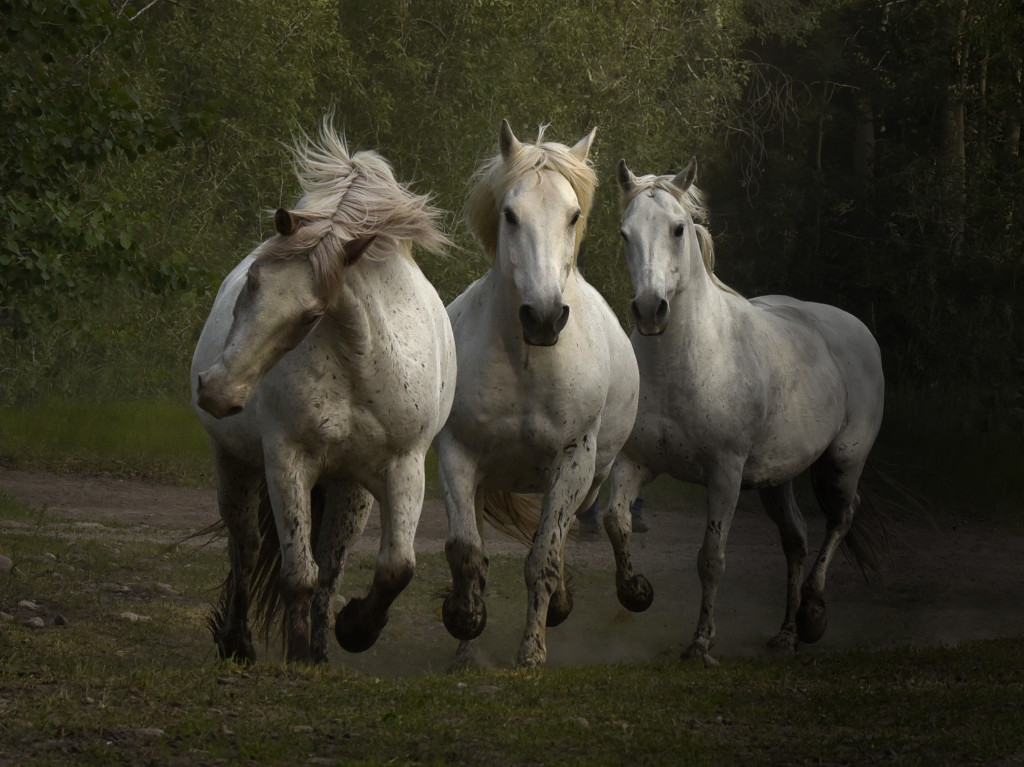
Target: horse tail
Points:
(866, 544)
(513, 514)
(883, 505)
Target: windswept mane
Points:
(347, 197)
(692, 201)
(495, 177)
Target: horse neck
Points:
(360, 314)
(698, 305)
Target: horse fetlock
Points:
(359, 625)
(532, 652)
(635, 592)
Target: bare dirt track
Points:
(947, 580)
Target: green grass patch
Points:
(156, 439)
(103, 689)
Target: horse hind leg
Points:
(238, 499)
(782, 509)
(835, 486)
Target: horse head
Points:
(282, 300)
(529, 210)
(657, 225)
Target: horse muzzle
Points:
(650, 314)
(541, 328)
(219, 400)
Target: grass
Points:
(156, 439)
(105, 690)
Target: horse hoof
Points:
(559, 607)
(811, 620)
(783, 644)
(635, 595)
(464, 624)
(356, 630)
(702, 651)
(236, 649)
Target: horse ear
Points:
(507, 141)
(625, 177)
(582, 148)
(355, 248)
(285, 221)
(686, 176)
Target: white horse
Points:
(327, 364)
(739, 394)
(547, 382)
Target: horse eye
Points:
(678, 231)
(575, 218)
(624, 237)
(308, 318)
(510, 217)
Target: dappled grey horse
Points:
(324, 371)
(737, 394)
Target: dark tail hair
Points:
(265, 600)
(883, 506)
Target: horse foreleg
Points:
(361, 620)
(346, 509)
(543, 570)
(784, 512)
(633, 589)
(464, 610)
(238, 498)
(289, 485)
(723, 492)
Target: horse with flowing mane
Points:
(547, 383)
(740, 394)
(324, 371)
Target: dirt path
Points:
(946, 582)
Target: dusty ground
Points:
(946, 581)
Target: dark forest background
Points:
(856, 152)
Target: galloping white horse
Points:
(547, 382)
(327, 364)
(737, 394)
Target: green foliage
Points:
(70, 103)
(106, 239)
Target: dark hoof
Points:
(811, 620)
(559, 607)
(463, 624)
(635, 595)
(357, 629)
(237, 649)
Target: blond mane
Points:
(347, 197)
(496, 176)
(692, 200)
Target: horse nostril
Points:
(562, 318)
(200, 383)
(634, 309)
(662, 312)
(234, 410)
(528, 317)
